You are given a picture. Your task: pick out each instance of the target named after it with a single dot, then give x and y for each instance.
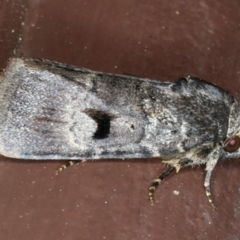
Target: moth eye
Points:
(232, 145)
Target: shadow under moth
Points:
(50, 110)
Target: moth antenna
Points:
(156, 182)
(208, 189)
(66, 165)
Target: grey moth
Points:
(50, 110)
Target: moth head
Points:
(232, 147)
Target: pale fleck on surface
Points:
(176, 192)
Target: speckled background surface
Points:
(108, 199)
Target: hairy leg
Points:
(68, 164)
(157, 181)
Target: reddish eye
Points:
(232, 145)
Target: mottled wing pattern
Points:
(52, 111)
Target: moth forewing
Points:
(50, 110)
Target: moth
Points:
(50, 110)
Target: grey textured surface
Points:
(107, 200)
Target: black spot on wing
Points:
(103, 121)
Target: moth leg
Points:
(66, 165)
(156, 182)
(209, 168)
(208, 189)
